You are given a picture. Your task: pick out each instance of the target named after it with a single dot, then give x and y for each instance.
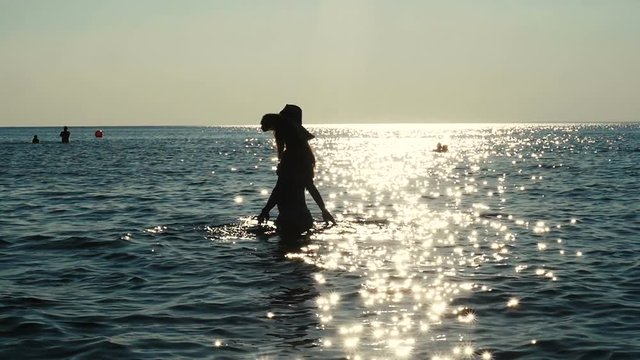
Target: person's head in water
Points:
(35, 139)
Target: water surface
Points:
(521, 242)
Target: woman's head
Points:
(269, 122)
(289, 136)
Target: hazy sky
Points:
(209, 62)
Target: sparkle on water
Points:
(413, 227)
(476, 253)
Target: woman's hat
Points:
(293, 113)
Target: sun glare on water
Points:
(414, 225)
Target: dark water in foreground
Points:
(522, 242)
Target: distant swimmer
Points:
(35, 139)
(441, 148)
(65, 134)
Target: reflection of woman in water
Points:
(295, 174)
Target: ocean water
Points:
(521, 242)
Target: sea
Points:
(520, 242)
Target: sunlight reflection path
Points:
(414, 228)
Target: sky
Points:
(227, 62)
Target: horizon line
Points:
(341, 124)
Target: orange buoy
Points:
(99, 133)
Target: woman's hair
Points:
(294, 139)
(298, 160)
(272, 122)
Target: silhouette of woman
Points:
(295, 174)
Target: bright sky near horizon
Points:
(214, 62)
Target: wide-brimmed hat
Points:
(293, 113)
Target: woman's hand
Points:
(263, 217)
(327, 217)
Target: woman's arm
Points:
(273, 201)
(315, 194)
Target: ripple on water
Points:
(517, 243)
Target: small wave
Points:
(28, 301)
(491, 215)
(35, 237)
(78, 243)
(364, 221)
(197, 308)
(246, 229)
(98, 347)
(122, 256)
(14, 326)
